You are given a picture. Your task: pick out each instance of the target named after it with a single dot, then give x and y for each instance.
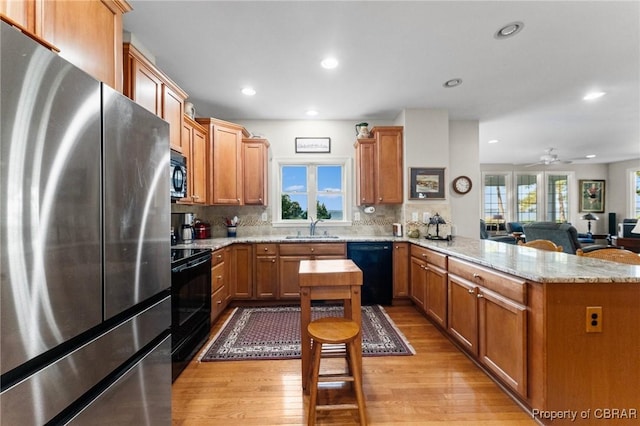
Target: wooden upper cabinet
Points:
(389, 149)
(194, 148)
(379, 162)
(225, 161)
(150, 87)
(255, 157)
(87, 33)
(365, 171)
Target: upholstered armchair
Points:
(562, 234)
(484, 235)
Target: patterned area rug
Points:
(274, 333)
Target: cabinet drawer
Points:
(217, 277)
(506, 285)
(306, 249)
(266, 249)
(432, 257)
(217, 257)
(217, 302)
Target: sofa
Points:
(562, 234)
(484, 235)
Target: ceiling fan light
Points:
(454, 82)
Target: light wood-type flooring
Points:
(436, 386)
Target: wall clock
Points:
(462, 184)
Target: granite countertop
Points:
(528, 263)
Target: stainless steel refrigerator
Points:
(85, 250)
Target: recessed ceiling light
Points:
(248, 91)
(454, 82)
(312, 112)
(329, 63)
(590, 156)
(493, 141)
(509, 30)
(593, 95)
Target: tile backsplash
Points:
(379, 223)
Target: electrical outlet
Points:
(414, 216)
(265, 217)
(356, 216)
(594, 319)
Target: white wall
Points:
(619, 188)
(464, 154)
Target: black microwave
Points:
(178, 176)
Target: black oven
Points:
(190, 304)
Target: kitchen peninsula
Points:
(521, 315)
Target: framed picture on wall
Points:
(592, 196)
(426, 183)
(313, 145)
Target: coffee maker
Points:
(186, 228)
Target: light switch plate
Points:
(265, 217)
(356, 216)
(414, 216)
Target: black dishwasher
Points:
(375, 261)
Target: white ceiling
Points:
(525, 91)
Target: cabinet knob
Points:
(363, 199)
(480, 296)
(260, 199)
(266, 249)
(312, 250)
(273, 261)
(471, 290)
(219, 302)
(219, 256)
(219, 277)
(380, 199)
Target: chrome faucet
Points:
(312, 226)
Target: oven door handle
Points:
(188, 266)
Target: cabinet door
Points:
(503, 339)
(289, 285)
(400, 270)
(266, 277)
(254, 170)
(198, 163)
(365, 172)
(418, 282)
(463, 313)
(436, 299)
(88, 34)
(218, 290)
(21, 12)
(173, 113)
(226, 166)
(241, 278)
(389, 166)
(146, 88)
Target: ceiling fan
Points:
(549, 158)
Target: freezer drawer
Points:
(142, 396)
(43, 395)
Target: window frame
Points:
(313, 162)
(542, 197)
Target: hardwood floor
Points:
(438, 385)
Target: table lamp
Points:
(589, 217)
(437, 220)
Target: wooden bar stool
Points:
(335, 331)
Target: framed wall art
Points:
(313, 145)
(426, 183)
(592, 196)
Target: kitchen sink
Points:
(311, 237)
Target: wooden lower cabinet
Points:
(266, 271)
(418, 270)
(489, 325)
(290, 256)
(436, 294)
(400, 270)
(219, 288)
(241, 271)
